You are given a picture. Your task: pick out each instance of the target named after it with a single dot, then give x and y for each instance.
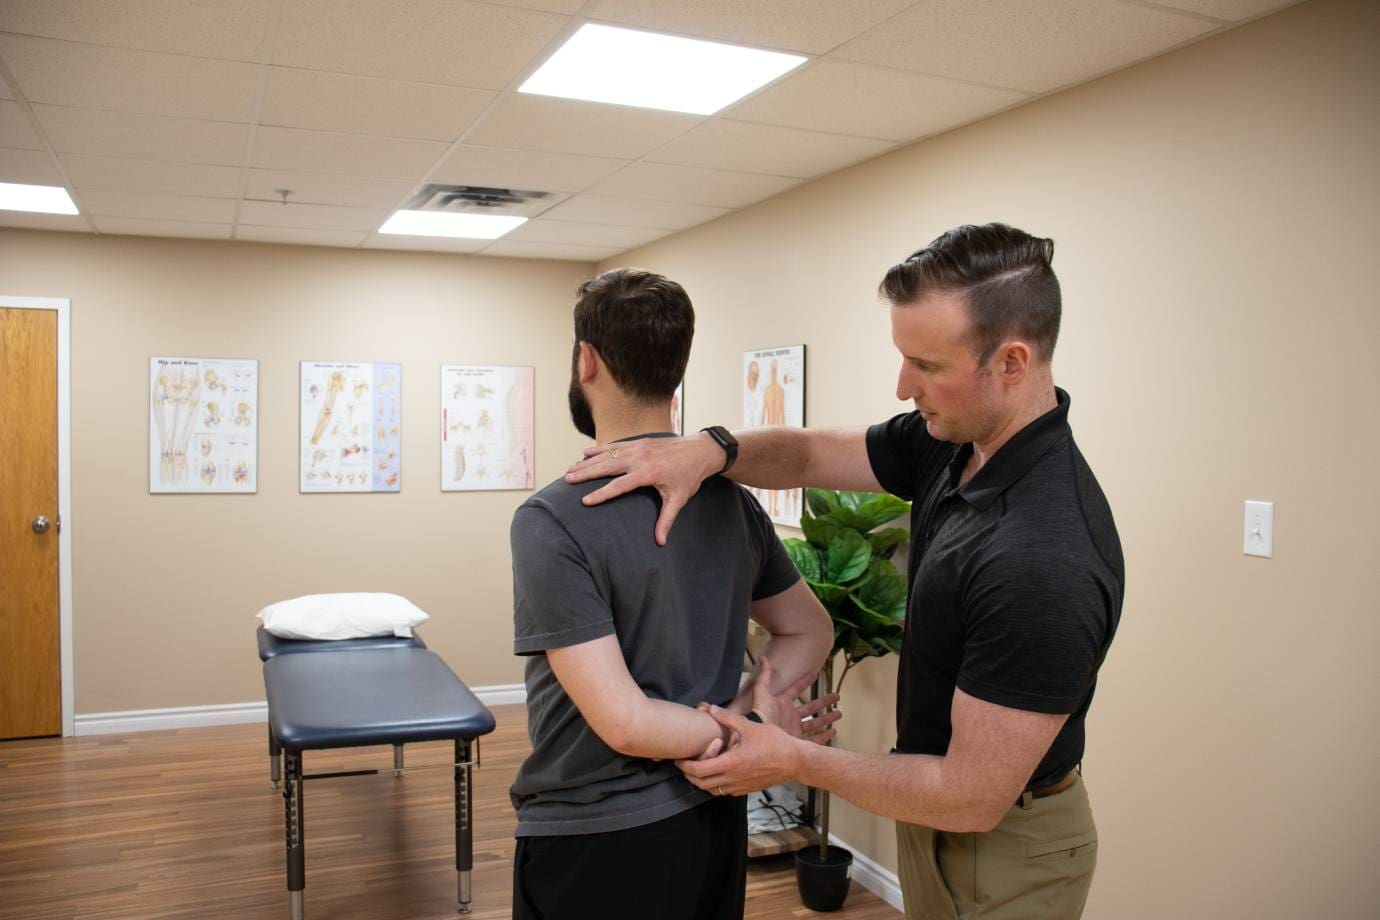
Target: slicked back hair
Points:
(642, 324)
(1005, 276)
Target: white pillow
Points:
(342, 616)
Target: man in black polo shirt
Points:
(1016, 584)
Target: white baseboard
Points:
(877, 879)
(155, 720)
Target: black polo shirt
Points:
(1016, 579)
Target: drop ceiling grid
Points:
(220, 52)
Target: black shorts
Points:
(691, 866)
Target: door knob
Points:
(40, 524)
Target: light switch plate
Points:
(1259, 536)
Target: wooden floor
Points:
(184, 824)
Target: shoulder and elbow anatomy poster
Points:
(774, 394)
(487, 429)
(351, 417)
(203, 425)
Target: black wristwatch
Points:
(725, 440)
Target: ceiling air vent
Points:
(478, 199)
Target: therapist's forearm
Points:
(915, 788)
(660, 730)
(770, 458)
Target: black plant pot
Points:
(823, 881)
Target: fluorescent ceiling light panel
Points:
(628, 67)
(438, 223)
(43, 199)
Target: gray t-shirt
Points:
(680, 614)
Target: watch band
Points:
(725, 440)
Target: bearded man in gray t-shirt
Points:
(625, 639)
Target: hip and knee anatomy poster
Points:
(487, 431)
(774, 394)
(203, 425)
(351, 427)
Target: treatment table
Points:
(370, 696)
(270, 645)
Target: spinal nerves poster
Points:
(204, 425)
(774, 394)
(487, 433)
(351, 423)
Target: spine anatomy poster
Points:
(204, 425)
(351, 424)
(774, 394)
(487, 434)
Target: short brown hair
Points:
(1005, 276)
(641, 323)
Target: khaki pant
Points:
(1037, 864)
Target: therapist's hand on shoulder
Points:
(675, 467)
(764, 756)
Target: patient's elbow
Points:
(618, 733)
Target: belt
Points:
(1046, 791)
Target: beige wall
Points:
(1217, 213)
(166, 586)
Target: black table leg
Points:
(464, 829)
(275, 755)
(296, 856)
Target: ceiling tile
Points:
(519, 250)
(571, 126)
(126, 175)
(1232, 10)
(431, 41)
(123, 80)
(663, 182)
(310, 188)
(812, 26)
(15, 128)
(736, 146)
(150, 137)
(368, 105)
(74, 222)
(634, 212)
(346, 154)
(105, 203)
(568, 7)
(32, 167)
(523, 169)
(597, 235)
(172, 228)
(299, 236)
(202, 28)
(310, 216)
(871, 102)
(1030, 45)
(423, 243)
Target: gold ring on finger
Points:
(613, 454)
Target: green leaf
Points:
(847, 558)
(821, 501)
(867, 510)
(805, 557)
(884, 542)
(819, 530)
(882, 595)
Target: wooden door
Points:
(30, 666)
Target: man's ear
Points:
(1013, 361)
(590, 363)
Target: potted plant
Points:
(846, 561)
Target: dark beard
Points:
(580, 412)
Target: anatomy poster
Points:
(487, 432)
(351, 422)
(774, 394)
(204, 425)
(678, 409)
